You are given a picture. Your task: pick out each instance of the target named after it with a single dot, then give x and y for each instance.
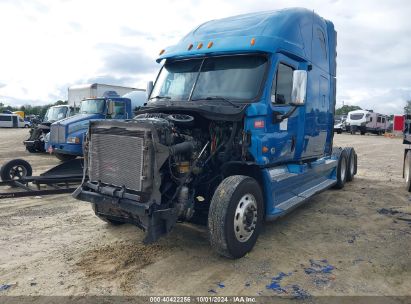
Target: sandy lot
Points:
(340, 243)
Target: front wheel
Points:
(235, 216)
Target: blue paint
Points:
(4, 287)
(321, 266)
(275, 283)
(221, 285)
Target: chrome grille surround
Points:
(57, 134)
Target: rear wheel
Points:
(65, 157)
(407, 173)
(15, 169)
(341, 170)
(351, 163)
(235, 216)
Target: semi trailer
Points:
(238, 129)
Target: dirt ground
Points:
(354, 241)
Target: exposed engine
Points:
(161, 161)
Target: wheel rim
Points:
(17, 172)
(245, 218)
(343, 168)
(352, 164)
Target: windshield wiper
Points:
(160, 97)
(218, 98)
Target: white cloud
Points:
(48, 45)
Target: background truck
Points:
(66, 136)
(77, 93)
(364, 121)
(238, 129)
(36, 141)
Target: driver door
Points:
(283, 135)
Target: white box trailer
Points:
(77, 93)
(367, 121)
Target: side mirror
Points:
(110, 107)
(149, 88)
(298, 94)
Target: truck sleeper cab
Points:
(238, 128)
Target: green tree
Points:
(345, 109)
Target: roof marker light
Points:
(252, 41)
(162, 52)
(199, 46)
(210, 44)
(190, 46)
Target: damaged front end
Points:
(122, 175)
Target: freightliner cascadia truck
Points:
(238, 129)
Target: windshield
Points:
(55, 113)
(356, 116)
(231, 77)
(92, 106)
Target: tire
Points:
(351, 163)
(15, 169)
(339, 132)
(235, 195)
(407, 173)
(65, 157)
(106, 219)
(362, 133)
(341, 170)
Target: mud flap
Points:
(159, 223)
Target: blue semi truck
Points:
(66, 136)
(238, 129)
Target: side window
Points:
(383, 120)
(21, 119)
(370, 119)
(119, 110)
(283, 85)
(379, 119)
(321, 37)
(5, 118)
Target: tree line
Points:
(29, 109)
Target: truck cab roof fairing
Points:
(287, 30)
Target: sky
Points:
(49, 45)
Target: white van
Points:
(366, 121)
(12, 121)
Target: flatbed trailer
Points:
(63, 178)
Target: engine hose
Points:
(184, 147)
